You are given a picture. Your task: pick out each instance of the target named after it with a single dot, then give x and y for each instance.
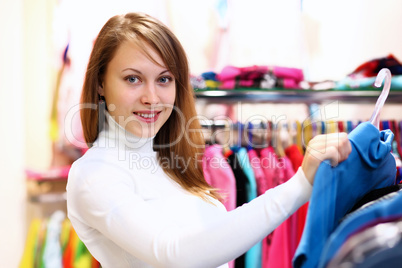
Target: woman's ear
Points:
(101, 91)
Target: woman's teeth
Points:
(146, 115)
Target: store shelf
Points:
(295, 96)
(48, 198)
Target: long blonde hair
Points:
(169, 142)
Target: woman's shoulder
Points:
(93, 156)
(96, 163)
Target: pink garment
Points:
(284, 241)
(270, 167)
(289, 83)
(231, 84)
(258, 172)
(233, 77)
(287, 72)
(279, 254)
(219, 174)
(251, 76)
(231, 72)
(54, 173)
(282, 82)
(269, 163)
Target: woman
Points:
(138, 197)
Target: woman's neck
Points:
(114, 135)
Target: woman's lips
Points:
(147, 116)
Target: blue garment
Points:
(52, 255)
(390, 258)
(248, 170)
(369, 166)
(209, 76)
(349, 83)
(253, 257)
(385, 208)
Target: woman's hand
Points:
(334, 147)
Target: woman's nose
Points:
(150, 95)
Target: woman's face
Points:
(139, 93)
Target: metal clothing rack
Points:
(256, 95)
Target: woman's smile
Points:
(141, 89)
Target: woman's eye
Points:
(132, 79)
(165, 79)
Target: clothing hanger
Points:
(257, 135)
(237, 137)
(349, 126)
(206, 130)
(282, 137)
(299, 136)
(395, 150)
(293, 132)
(323, 127)
(269, 133)
(250, 136)
(285, 136)
(383, 75)
(397, 132)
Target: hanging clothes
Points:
(241, 191)
(253, 255)
(385, 209)
(52, 252)
(257, 169)
(296, 158)
(28, 255)
(283, 244)
(267, 172)
(52, 242)
(218, 174)
(369, 166)
(270, 167)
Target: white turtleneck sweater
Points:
(129, 213)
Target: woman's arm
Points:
(137, 227)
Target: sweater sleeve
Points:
(135, 226)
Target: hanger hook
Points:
(383, 75)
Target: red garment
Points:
(296, 157)
(95, 263)
(69, 251)
(372, 67)
(340, 126)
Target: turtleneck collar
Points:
(114, 135)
